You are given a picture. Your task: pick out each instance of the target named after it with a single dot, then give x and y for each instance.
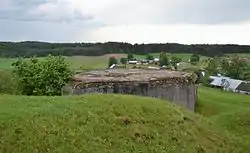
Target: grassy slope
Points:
(229, 110)
(106, 123)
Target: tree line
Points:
(40, 49)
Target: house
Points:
(133, 62)
(229, 84)
(244, 88)
(225, 83)
(151, 61)
(203, 73)
(117, 66)
(156, 60)
(112, 66)
(156, 68)
(217, 81)
(144, 62)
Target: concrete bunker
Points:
(174, 86)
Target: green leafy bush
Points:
(164, 61)
(123, 60)
(112, 60)
(44, 77)
(149, 57)
(130, 57)
(194, 59)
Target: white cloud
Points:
(117, 12)
(187, 34)
(183, 21)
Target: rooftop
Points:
(121, 75)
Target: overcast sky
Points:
(134, 21)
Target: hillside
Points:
(106, 123)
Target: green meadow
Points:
(88, 62)
(122, 123)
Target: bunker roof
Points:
(133, 75)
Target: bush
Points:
(8, 85)
(130, 57)
(123, 60)
(112, 60)
(194, 59)
(45, 77)
(164, 61)
(149, 57)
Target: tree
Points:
(194, 59)
(174, 61)
(213, 66)
(112, 60)
(123, 60)
(130, 57)
(163, 60)
(234, 67)
(44, 77)
(149, 57)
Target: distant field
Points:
(5, 63)
(76, 62)
(99, 62)
(88, 62)
(242, 55)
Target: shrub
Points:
(112, 60)
(130, 57)
(149, 57)
(123, 60)
(45, 77)
(194, 59)
(164, 61)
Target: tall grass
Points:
(8, 84)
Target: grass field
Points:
(229, 110)
(88, 62)
(5, 63)
(99, 62)
(245, 55)
(107, 123)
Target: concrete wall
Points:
(183, 93)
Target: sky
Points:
(133, 21)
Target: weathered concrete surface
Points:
(177, 87)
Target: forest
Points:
(41, 49)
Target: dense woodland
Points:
(27, 49)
